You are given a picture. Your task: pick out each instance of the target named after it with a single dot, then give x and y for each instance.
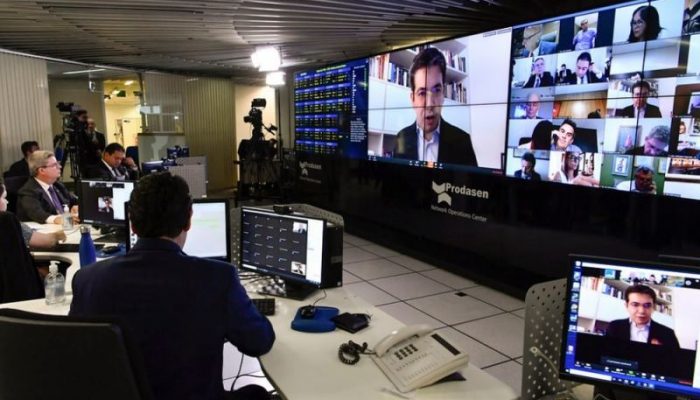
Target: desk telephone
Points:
(416, 356)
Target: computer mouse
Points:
(307, 312)
(110, 249)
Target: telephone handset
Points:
(416, 356)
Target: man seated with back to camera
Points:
(640, 327)
(21, 167)
(179, 308)
(431, 138)
(114, 166)
(43, 197)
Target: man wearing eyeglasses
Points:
(640, 301)
(42, 198)
(431, 138)
(539, 77)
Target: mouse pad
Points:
(321, 322)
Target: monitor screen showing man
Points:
(430, 138)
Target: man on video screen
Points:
(539, 77)
(585, 71)
(431, 138)
(639, 327)
(533, 43)
(640, 108)
(655, 143)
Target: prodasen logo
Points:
(305, 166)
(443, 197)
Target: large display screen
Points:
(605, 98)
(633, 324)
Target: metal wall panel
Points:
(24, 106)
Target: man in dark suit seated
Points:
(431, 138)
(585, 71)
(111, 167)
(539, 77)
(180, 309)
(43, 197)
(640, 108)
(527, 170)
(563, 74)
(639, 327)
(21, 167)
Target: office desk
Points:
(306, 365)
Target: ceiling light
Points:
(129, 83)
(275, 78)
(266, 59)
(83, 71)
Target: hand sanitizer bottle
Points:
(67, 218)
(55, 285)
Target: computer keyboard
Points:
(266, 306)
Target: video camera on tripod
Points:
(67, 142)
(258, 172)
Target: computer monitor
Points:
(150, 167)
(301, 250)
(210, 233)
(102, 202)
(632, 325)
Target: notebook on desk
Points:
(71, 247)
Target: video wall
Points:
(607, 98)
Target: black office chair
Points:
(60, 357)
(12, 185)
(19, 278)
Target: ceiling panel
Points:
(217, 37)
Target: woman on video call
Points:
(644, 25)
(569, 172)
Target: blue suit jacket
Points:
(180, 310)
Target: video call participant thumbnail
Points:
(533, 43)
(640, 327)
(431, 138)
(643, 181)
(655, 143)
(585, 72)
(644, 25)
(640, 108)
(539, 76)
(585, 38)
(527, 168)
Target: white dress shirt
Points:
(428, 150)
(639, 333)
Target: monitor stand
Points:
(288, 289)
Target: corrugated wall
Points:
(24, 106)
(210, 127)
(207, 107)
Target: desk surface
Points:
(306, 365)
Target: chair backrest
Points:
(48, 356)
(19, 278)
(12, 185)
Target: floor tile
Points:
(374, 269)
(380, 251)
(409, 315)
(479, 354)
(350, 278)
(504, 332)
(510, 373)
(370, 293)
(410, 286)
(496, 298)
(354, 240)
(356, 254)
(452, 309)
(411, 263)
(448, 278)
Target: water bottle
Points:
(67, 218)
(86, 249)
(54, 285)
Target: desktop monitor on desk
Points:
(632, 326)
(102, 202)
(210, 233)
(305, 252)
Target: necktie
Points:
(116, 172)
(56, 202)
(537, 81)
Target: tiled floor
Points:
(487, 324)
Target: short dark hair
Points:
(160, 205)
(641, 289)
(644, 170)
(428, 57)
(112, 147)
(642, 84)
(26, 146)
(529, 157)
(570, 123)
(585, 56)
